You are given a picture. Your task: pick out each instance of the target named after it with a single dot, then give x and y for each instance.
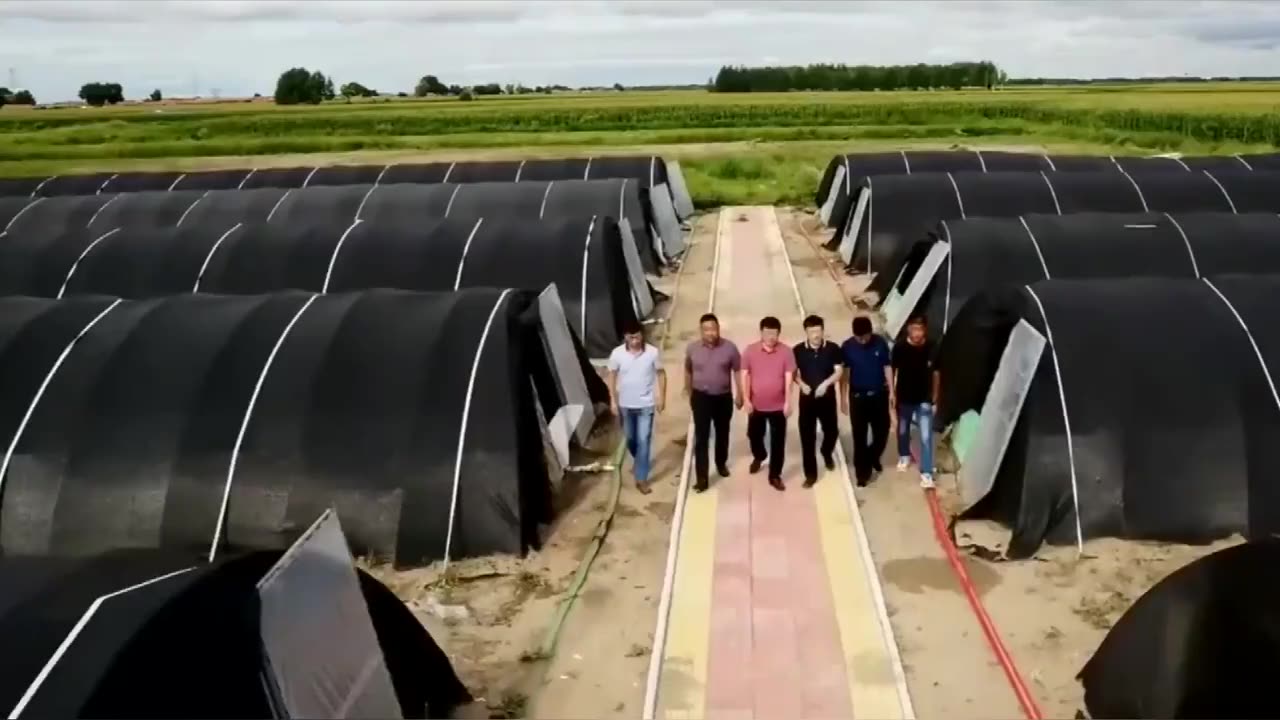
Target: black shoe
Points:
(700, 486)
(755, 466)
(776, 483)
(829, 461)
(810, 482)
(878, 467)
(722, 471)
(864, 481)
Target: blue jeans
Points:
(922, 413)
(637, 427)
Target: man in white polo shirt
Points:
(637, 388)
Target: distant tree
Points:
(509, 89)
(522, 90)
(430, 85)
(98, 94)
(618, 87)
(402, 94)
(355, 89)
(156, 96)
(488, 89)
(301, 86)
(465, 96)
(22, 97)
(454, 89)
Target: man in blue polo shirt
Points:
(866, 389)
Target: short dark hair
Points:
(862, 325)
(813, 321)
(918, 320)
(632, 326)
(769, 322)
(709, 317)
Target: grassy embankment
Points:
(755, 148)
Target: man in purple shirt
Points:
(711, 367)
(769, 368)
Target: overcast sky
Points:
(240, 48)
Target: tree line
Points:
(858, 77)
(16, 97)
(300, 86)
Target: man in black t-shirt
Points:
(916, 384)
(819, 364)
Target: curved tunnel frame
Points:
(861, 226)
(975, 489)
(161, 590)
(662, 173)
(916, 274)
(216, 541)
(836, 192)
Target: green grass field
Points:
(747, 148)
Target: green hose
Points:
(552, 638)
(548, 648)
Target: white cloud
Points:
(240, 47)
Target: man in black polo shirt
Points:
(819, 365)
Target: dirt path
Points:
(499, 609)
(1052, 611)
(603, 658)
(950, 670)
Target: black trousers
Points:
(870, 411)
(776, 421)
(709, 410)
(815, 411)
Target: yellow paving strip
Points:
(873, 670)
(877, 683)
(872, 685)
(684, 667)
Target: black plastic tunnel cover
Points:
(158, 209)
(253, 258)
(10, 207)
(147, 262)
(986, 251)
(23, 187)
(226, 207)
(1202, 643)
(211, 180)
(166, 635)
(130, 182)
(65, 185)
(56, 215)
(385, 404)
(900, 204)
(1138, 460)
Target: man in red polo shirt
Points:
(768, 369)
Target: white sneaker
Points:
(903, 464)
(926, 481)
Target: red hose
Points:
(1025, 699)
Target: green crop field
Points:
(736, 148)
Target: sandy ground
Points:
(1052, 611)
(496, 611)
